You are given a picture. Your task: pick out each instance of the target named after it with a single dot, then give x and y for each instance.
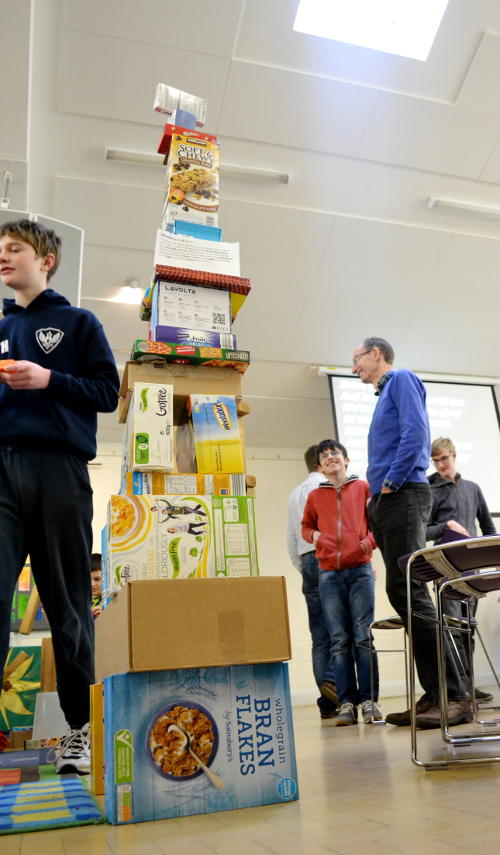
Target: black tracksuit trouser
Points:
(46, 513)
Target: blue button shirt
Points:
(399, 440)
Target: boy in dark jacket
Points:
(63, 374)
(456, 505)
(336, 523)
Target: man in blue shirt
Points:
(398, 457)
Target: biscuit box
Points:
(192, 181)
(217, 439)
(237, 721)
(157, 483)
(180, 537)
(160, 352)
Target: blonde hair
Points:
(442, 443)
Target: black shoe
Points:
(329, 690)
(482, 697)
(325, 715)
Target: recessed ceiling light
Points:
(402, 27)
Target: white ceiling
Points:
(349, 247)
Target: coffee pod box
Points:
(180, 537)
(238, 721)
(148, 442)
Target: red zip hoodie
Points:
(339, 513)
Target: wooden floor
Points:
(360, 795)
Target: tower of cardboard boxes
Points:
(192, 711)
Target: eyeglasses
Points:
(326, 454)
(443, 459)
(358, 356)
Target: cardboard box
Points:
(157, 483)
(191, 337)
(97, 739)
(191, 307)
(192, 181)
(169, 130)
(159, 352)
(180, 537)
(239, 722)
(186, 380)
(148, 442)
(193, 623)
(217, 439)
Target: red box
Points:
(169, 130)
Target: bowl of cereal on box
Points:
(167, 749)
(129, 517)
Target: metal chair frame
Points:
(469, 574)
(393, 622)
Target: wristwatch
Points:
(390, 485)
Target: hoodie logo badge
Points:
(49, 338)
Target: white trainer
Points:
(371, 712)
(73, 752)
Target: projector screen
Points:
(466, 413)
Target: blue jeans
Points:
(321, 641)
(348, 598)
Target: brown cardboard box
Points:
(186, 379)
(97, 739)
(193, 623)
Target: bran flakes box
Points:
(239, 722)
(192, 181)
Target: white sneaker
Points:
(347, 714)
(73, 752)
(371, 712)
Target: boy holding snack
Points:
(63, 375)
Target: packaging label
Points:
(180, 537)
(238, 720)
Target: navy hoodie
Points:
(70, 342)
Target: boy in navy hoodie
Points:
(63, 374)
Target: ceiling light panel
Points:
(402, 27)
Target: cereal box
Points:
(216, 433)
(192, 181)
(149, 432)
(157, 483)
(160, 726)
(180, 537)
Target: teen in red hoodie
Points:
(336, 523)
